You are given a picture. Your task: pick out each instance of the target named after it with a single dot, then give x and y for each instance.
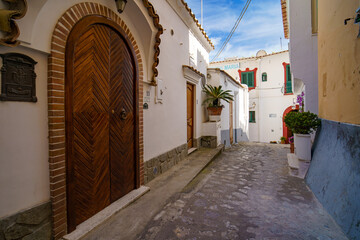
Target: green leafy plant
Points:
(302, 122)
(215, 94)
(283, 138)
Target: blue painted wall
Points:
(334, 173)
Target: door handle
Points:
(123, 114)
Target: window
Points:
(314, 16)
(264, 77)
(248, 79)
(287, 79)
(252, 116)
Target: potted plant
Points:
(291, 141)
(213, 96)
(283, 139)
(302, 124)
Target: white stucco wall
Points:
(303, 51)
(165, 124)
(267, 98)
(24, 168)
(240, 107)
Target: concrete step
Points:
(298, 168)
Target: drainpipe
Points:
(259, 105)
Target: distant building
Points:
(271, 92)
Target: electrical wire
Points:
(233, 29)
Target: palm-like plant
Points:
(215, 94)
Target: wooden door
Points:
(100, 121)
(190, 114)
(231, 121)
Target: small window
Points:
(264, 77)
(252, 116)
(248, 79)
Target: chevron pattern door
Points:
(100, 123)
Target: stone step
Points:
(298, 168)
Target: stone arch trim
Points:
(56, 105)
(156, 21)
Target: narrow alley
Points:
(246, 193)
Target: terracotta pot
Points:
(291, 147)
(214, 110)
(214, 114)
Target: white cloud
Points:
(215, 40)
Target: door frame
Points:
(194, 113)
(231, 122)
(56, 103)
(80, 27)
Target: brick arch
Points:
(56, 105)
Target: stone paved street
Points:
(246, 193)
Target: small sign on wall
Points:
(272, 115)
(18, 78)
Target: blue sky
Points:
(260, 28)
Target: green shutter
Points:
(264, 77)
(288, 87)
(251, 79)
(248, 79)
(252, 116)
(244, 78)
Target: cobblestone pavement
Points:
(247, 193)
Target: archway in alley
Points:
(286, 131)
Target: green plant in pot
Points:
(214, 95)
(302, 124)
(283, 139)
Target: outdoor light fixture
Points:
(120, 5)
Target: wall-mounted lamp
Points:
(120, 5)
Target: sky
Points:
(260, 28)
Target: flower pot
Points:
(292, 147)
(214, 113)
(302, 146)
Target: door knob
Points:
(113, 111)
(123, 114)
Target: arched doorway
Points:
(101, 114)
(286, 131)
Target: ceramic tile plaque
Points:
(18, 78)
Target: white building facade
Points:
(303, 48)
(270, 85)
(234, 116)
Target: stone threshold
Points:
(86, 227)
(191, 150)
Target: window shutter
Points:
(251, 79)
(264, 77)
(244, 78)
(288, 87)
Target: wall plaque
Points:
(18, 78)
